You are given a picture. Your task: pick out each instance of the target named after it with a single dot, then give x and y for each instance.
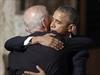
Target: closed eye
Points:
(58, 22)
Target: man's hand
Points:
(41, 72)
(48, 40)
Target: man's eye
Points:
(58, 22)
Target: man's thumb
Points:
(51, 34)
(40, 70)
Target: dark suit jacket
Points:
(78, 55)
(47, 58)
(76, 50)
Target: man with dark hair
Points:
(67, 16)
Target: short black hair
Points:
(74, 17)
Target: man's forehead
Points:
(61, 15)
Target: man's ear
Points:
(44, 24)
(44, 21)
(70, 27)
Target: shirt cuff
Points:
(26, 42)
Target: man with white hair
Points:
(35, 22)
(25, 56)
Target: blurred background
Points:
(11, 24)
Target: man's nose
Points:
(52, 25)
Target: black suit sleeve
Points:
(15, 44)
(79, 46)
(78, 43)
(79, 62)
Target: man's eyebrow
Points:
(58, 21)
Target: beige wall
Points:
(11, 24)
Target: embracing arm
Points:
(49, 41)
(19, 43)
(78, 43)
(15, 43)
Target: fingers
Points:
(59, 45)
(56, 44)
(52, 42)
(40, 70)
(50, 34)
(29, 73)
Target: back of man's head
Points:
(34, 15)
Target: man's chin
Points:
(52, 30)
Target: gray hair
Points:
(37, 12)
